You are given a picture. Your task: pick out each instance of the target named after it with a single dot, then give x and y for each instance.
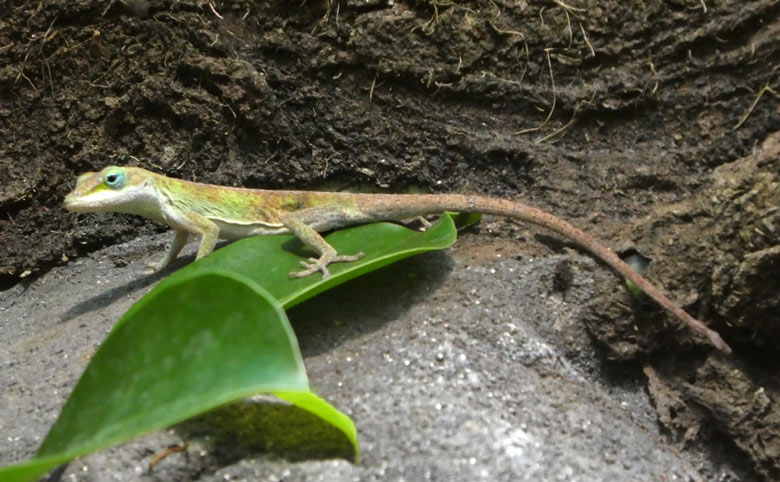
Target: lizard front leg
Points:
(180, 238)
(185, 224)
(297, 224)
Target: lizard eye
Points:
(115, 178)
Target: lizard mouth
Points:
(72, 203)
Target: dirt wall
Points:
(649, 124)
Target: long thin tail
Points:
(400, 207)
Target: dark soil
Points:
(653, 126)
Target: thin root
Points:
(552, 109)
(170, 450)
(525, 45)
(755, 103)
(562, 129)
(214, 10)
(587, 41)
(568, 8)
(373, 85)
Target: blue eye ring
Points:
(114, 178)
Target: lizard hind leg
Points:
(297, 223)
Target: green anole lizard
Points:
(221, 212)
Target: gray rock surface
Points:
(448, 363)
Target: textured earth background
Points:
(652, 125)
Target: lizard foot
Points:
(153, 267)
(425, 223)
(321, 264)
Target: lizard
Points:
(221, 212)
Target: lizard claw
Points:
(310, 268)
(152, 267)
(321, 264)
(425, 223)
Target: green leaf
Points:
(32, 469)
(463, 220)
(192, 343)
(268, 260)
(176, 353)
(319, 407)
(639, 264)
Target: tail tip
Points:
(716, 340)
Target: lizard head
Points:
(115, 189)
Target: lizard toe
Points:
(347, 258)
